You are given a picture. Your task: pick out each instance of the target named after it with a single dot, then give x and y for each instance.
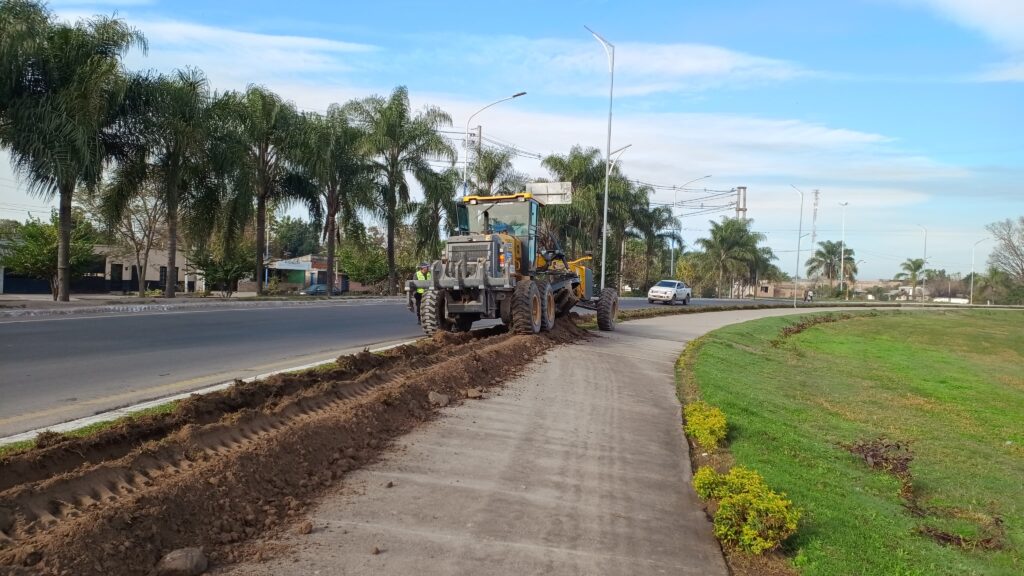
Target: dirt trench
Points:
(225, 467)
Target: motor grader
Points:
(495, 266)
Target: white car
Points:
(669, 292)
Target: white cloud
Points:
(1006, 72)
(580, 66)
(1001, 21)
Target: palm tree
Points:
(825, 261)
(61, 96)
(435, 215)
(397, 143)
(492, 173)
(175, 123)
(731, 245)
(655, 226)
(577, 224)
(330, 159)
(760, 267)
(270, 130)
(912, 268)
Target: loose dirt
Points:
(227, 466)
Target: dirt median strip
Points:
(227, 466)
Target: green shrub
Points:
(706, 424)
(756, 521)
(707, 483)
(155, 293)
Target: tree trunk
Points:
(141, 262)
(261, 240)
(171, 283)
(331, 228)
(392, 271)
(64, 245)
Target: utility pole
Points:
(741, 203)
(842, 254)
(814, 218)
(799, 237)
(924, 261)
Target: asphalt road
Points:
(57, 369)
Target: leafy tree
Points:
(33, 251)
(294, 237)
(397, 143)
(135, 227)
(912, 269)
(1008, 253)
(62, 92)
(222, 269)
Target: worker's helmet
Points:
(424, 265)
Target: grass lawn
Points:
(950, 383)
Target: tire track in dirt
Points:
(225, 467)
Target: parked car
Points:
(669, 292)
(319, 290)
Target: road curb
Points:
(117, 413)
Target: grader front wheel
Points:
(432, 314)
(607, 309)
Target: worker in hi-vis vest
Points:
(422, 274)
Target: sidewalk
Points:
(578, 467)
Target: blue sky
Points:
(910, 110)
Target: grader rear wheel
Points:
(547, 305)
(527, 311)
(607, 309)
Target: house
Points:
(112, 270)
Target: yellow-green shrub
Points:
(706, 424)
(711, 485)
(707, 482)
(750, 515)
(755, 521)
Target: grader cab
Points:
(496, 266)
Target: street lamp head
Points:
(518, 94)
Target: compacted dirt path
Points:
(578, 466)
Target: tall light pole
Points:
(799, 238)
(842, 253)
(675, 200)
(924, 261)
(465, 146)
(609, 50)
(972, 266)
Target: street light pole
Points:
(465, 145)
(842, 253)
(799, 238)
(675, 200)
(972, 267)
(924, 261)
(609, 50)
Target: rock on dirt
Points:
(305, 527)
(182, 562)
(474, 393)
(438, 399)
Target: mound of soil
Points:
(225, 467)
